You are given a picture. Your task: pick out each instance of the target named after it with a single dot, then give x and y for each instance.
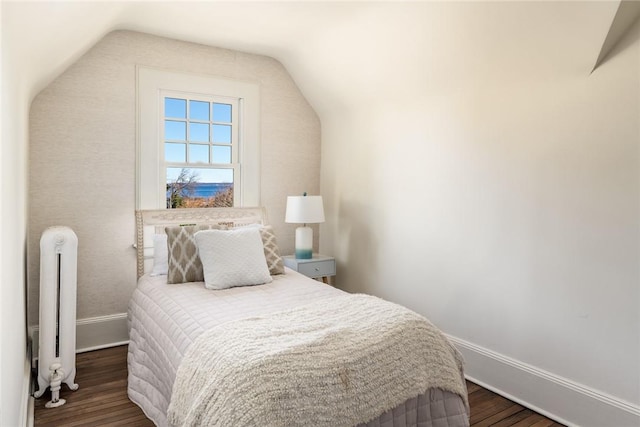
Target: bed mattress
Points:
(165, 319)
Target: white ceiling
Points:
(341, 54)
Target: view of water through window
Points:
(199, 138)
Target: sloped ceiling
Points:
(340, 53)
(627, 14)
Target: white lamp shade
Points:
(304, 210)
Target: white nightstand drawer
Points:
(317, 268)
(320, 266)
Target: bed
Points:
(197, 357)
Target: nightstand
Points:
(319, 267)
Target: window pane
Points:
(216, 175)
(175, 130)
(198, 110)
(221, 133)
(221, 154)
(199, 187)
(198, 153)
(198, 132)
(180, 174)
(222, 113)
(200, 175)
(174, 107)
(175, 152)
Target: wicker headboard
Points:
(149, 222)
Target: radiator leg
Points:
(57, 373)
(42, 387)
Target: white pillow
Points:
(160, 255)
(232, 258)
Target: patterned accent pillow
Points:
(184, 262)
(271, 250)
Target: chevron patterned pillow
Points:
(271, 250)
(184, 262)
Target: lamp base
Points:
(304, 242)
(304, 253)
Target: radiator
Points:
(58, 284)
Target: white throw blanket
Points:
(341, 363)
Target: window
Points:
(198, 141)
(200, 150)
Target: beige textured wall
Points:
(82, 155)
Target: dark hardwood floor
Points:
(102, 399)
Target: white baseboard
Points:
(94, 333)
(31, 413)
(551, 395)
(26, 405)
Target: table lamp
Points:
(304, 210)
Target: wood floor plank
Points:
(88, 396)
(480, 396)
(530, 420)
(514, 419)
(497, 417)
(490, 407)
(83, 409)
(97, 406)
(102, 399)
(544, 423)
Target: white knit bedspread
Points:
(338, 363)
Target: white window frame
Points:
(150, 167)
